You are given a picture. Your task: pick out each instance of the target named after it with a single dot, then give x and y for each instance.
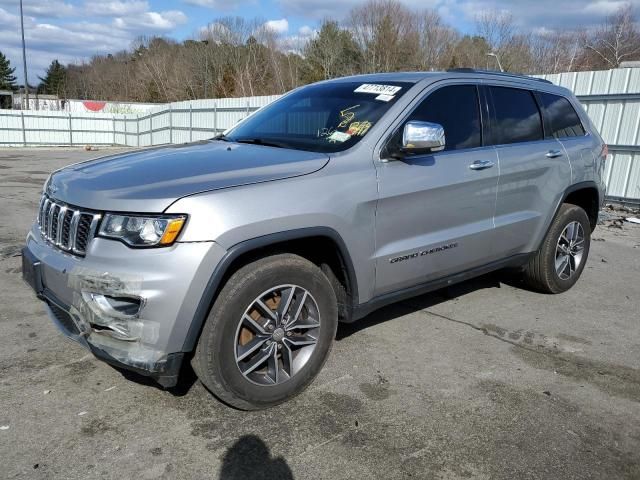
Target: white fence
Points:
(177, 122)
(611, 98)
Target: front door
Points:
(435, 211)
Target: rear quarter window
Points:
(516, 116)
(562, 119)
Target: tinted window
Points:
(517, 118)
(456, 109)
(561, 116)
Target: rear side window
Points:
(561, 116)
(516, 116)
(456, 109)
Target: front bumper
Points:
(165, 283)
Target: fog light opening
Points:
(116, 316)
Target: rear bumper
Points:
(166, 284)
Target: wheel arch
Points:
(324, 240)
(585, 195)
(582, 193)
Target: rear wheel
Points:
(268, 333)
(559, 262)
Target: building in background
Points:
(6, 99)
(38, 102)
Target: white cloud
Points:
(603, 7)
(152, 21)
(545, 13)
(306, 31)
(278, 26)
(527, 14)
(42, 8)
(8, 19)
(74, 39)
(318, 9)
(49, 9)
(208, 3)
(116, 8)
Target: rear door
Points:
(563, 123)
(435, 210)
(534, 170)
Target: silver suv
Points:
(242, 253)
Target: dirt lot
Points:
(483, 380)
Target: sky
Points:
(74, 30)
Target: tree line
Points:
(235, 57)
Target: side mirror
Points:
(423, 137)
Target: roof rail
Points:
(495, 72)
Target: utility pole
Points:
(24, 59)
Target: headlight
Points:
(141, 231)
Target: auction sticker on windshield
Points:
(337, 136)
(377, 89)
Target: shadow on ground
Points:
(249, 458)
(393, 311)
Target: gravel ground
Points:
(482, 380)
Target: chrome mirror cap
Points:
(423, 137)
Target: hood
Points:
(148, 181)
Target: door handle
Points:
(481, 164)
(554, 154)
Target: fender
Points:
(568, 191)
(214, 283)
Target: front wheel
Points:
(268, 333)
(559, 262)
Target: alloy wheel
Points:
(277, 334)
(569, 250)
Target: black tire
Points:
(540, 273)
(214, 360)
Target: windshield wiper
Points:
(221, 137)
(259, 141)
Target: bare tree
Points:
(436, 40)
(615, 41)
(555, 51)
(501, 35)
(386, 32)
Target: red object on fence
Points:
(94, 106)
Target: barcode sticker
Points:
(377, 89)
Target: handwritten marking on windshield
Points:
(347, 115)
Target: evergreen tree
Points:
(54, 81)
(332, 53)
(7, 79)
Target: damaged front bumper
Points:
(130, 307)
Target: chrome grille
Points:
(66, 227)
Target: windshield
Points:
(326, 118)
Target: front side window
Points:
(562, 117)
(516, 116)
(454, 107)
(328, 117)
